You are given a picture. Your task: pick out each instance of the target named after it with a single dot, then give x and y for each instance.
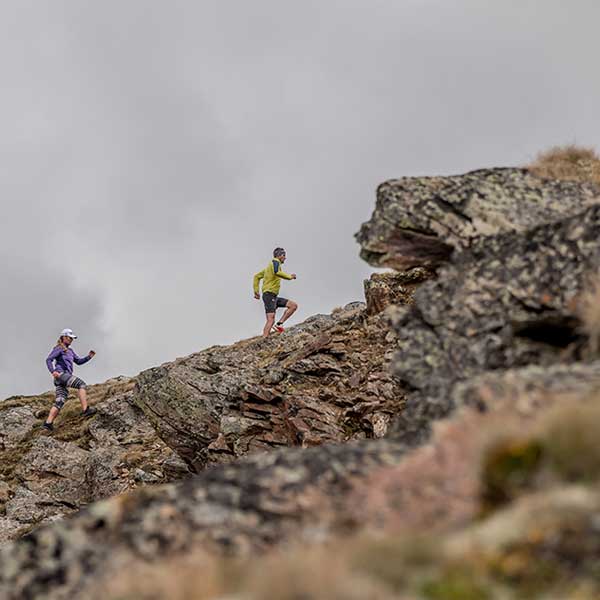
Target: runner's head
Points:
(279, 253)
(66, 338)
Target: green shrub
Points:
(455, 584)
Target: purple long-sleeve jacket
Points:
(62, 360)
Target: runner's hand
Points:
(293, 275)
(257, 296)
(91, 354)
(55, 374)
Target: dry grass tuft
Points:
(570, 441)
(313, 575)
(292, 574)
(198, 577)
(392, 560)
(568, 162)
(562, 447)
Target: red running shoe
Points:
(278, 329)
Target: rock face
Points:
(518, 252)
(43, 478)
(385, 289)
(509, 302)
(420, 221)
(326, 380)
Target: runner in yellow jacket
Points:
(272, 275)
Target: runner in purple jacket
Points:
(60, 364)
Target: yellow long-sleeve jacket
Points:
(272, 275)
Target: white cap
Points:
(68, 333)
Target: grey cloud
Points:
(171, 146)
(38, 303)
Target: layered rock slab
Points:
(385, 289)
(326, 380)
(420, 221)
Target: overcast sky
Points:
(155, 152)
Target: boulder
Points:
(420, 221)
(383, 289)
(15, 425)
(57, 470)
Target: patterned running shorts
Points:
(62, 383)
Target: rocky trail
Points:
(325, 380)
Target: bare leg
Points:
(53, 414)
(268, 324)
(291, 308)
(81, 392)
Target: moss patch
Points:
(509, 469)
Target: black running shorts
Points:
(273, 302)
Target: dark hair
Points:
(278, 252)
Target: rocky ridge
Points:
(496, 334)
(43, 478)
(325, 380)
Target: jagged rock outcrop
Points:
(385, 289)
(324, 381)
(43, 478)
(513, 251)
(508, 302)
(420, 221)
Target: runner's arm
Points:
(283, 275)
(81, 361)
(257, 279)
(52, 357)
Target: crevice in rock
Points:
(559, 331)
